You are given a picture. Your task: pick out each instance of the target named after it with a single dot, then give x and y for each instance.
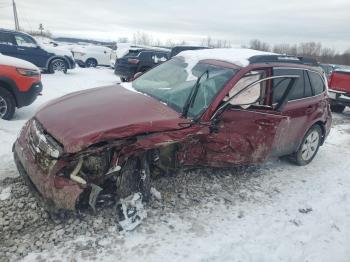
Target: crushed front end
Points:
(37, 155)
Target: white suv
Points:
(92, 55)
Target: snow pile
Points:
(5, 193)
(12, 61)
(237, 56)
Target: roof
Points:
(243, 57)
(237, 56)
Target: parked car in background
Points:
(339, 89)
(20, 84)
(139, 60)
(92, 55)
(328, 69)
(178, 49)
(24, 46)
(215, 107)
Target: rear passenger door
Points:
(300, 108)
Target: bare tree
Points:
(142, 38)
(259, 45)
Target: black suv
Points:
(24, 46)
(138, 60)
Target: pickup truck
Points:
(339, 90)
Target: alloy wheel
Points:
(3, 107)
(59, 66)
(91, 63)
(310, 145)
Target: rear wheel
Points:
(337, 108)
(7, 104)
(309, 146)
(91, 62)
(58, 65)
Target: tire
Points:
(7, 104)
(58, 65)
(91, 62)
(135, 177)
(337, 108)
(309, 146)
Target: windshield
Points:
(173, 81)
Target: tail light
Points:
(133, 61)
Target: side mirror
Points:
(138, 74)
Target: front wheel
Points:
(58, 65)
(91, 62)
(7, 104)
(337, 108)
(309, 146)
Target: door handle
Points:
(264, 122)
(21, 49)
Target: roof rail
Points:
(283, 59)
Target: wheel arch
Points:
(10, 86)
(321, 124)
(92, 58)
(57, 57)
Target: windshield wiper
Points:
(192, 96)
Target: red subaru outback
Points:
(215, 107)
(20, 84)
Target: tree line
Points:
(305, 49)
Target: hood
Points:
(16, 62)
(56, 50)
(83, 118)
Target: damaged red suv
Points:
(216, 107)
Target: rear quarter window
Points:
(317, 82)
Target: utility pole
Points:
(41, 28)
(15, 15)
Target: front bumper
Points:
(44, 183)
(28, 97)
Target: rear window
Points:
(132, 53)
(317, 83)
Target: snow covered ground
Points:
(273, 212)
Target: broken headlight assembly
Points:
(42, 142)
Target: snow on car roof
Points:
(237, 56)
(12, 61)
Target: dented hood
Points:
(81, 119)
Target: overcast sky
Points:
(273, 21)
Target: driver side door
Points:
(248, 129)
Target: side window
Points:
(317, 83)
(279, 86)
(159, 58)
(146, 56)
(6, 39)
(252, 95)
(25, 41)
